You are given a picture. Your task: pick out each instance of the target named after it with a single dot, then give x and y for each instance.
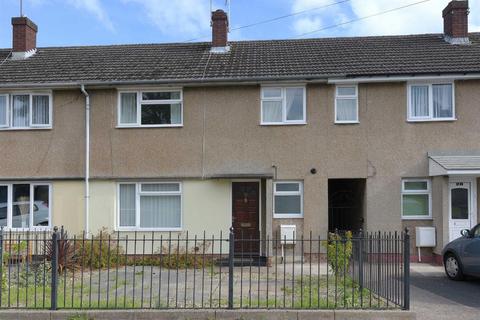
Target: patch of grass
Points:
(316, 293)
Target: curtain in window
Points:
(346, 110)
(3, 110)
(3, 205)
(160, 211)
(40, 206)
(127, 205)
(160, 187)
(20, 111)
(442, 101)
(176, 113)
(128, 108)
(419, 101)
(40, 110)
(272, 111)
(294, 102)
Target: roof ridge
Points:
(202, 43)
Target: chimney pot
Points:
(219, 31)
(455, 22)
(24, 37)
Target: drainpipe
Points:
(87, 157)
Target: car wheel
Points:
(453, 268)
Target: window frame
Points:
(430, 118)
(347, 97)
(32, 185)
(141, 102)
(288, 193)
(7, 112)
(283, 90)
(138, 194)
(427, 192)
(30, 94)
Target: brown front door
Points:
(245, 214)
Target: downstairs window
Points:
(25, 206)
(150, 206)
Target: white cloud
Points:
(189, 18)
(94, 7)
(422, 18)
(309, 21)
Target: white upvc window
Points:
(25, 206)
(431, 101)
(151, 108)
(288, 199)
(25, 111)
(150, 206)
(416, 199)
(346, 104)
(283, 105)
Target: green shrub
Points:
(38, 274)
(339, 252)
(4, 269)
(176, 258)
(94, 251)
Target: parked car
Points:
(461, 257)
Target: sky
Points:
(92, 22)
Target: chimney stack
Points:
(219, 32)
(455, 22)
(24, 38)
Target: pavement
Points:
(434, 296)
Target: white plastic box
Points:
(425, 237)
(288, 234)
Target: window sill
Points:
(287, 216)
(417, 218)
(433, 120)
(36, 229)
(284, 124)
(347, 122)
(152, 126)
(26, 129)
(148, 229)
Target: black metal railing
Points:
(155, 270)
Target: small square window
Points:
(288, 200)
(416, 199)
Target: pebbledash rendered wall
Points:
(222, 135)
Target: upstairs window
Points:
(283, 105)
(150, 109)
(25, 111)
(346, 104)
(430, 101)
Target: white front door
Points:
(460, 208)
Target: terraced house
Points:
(372, 133)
